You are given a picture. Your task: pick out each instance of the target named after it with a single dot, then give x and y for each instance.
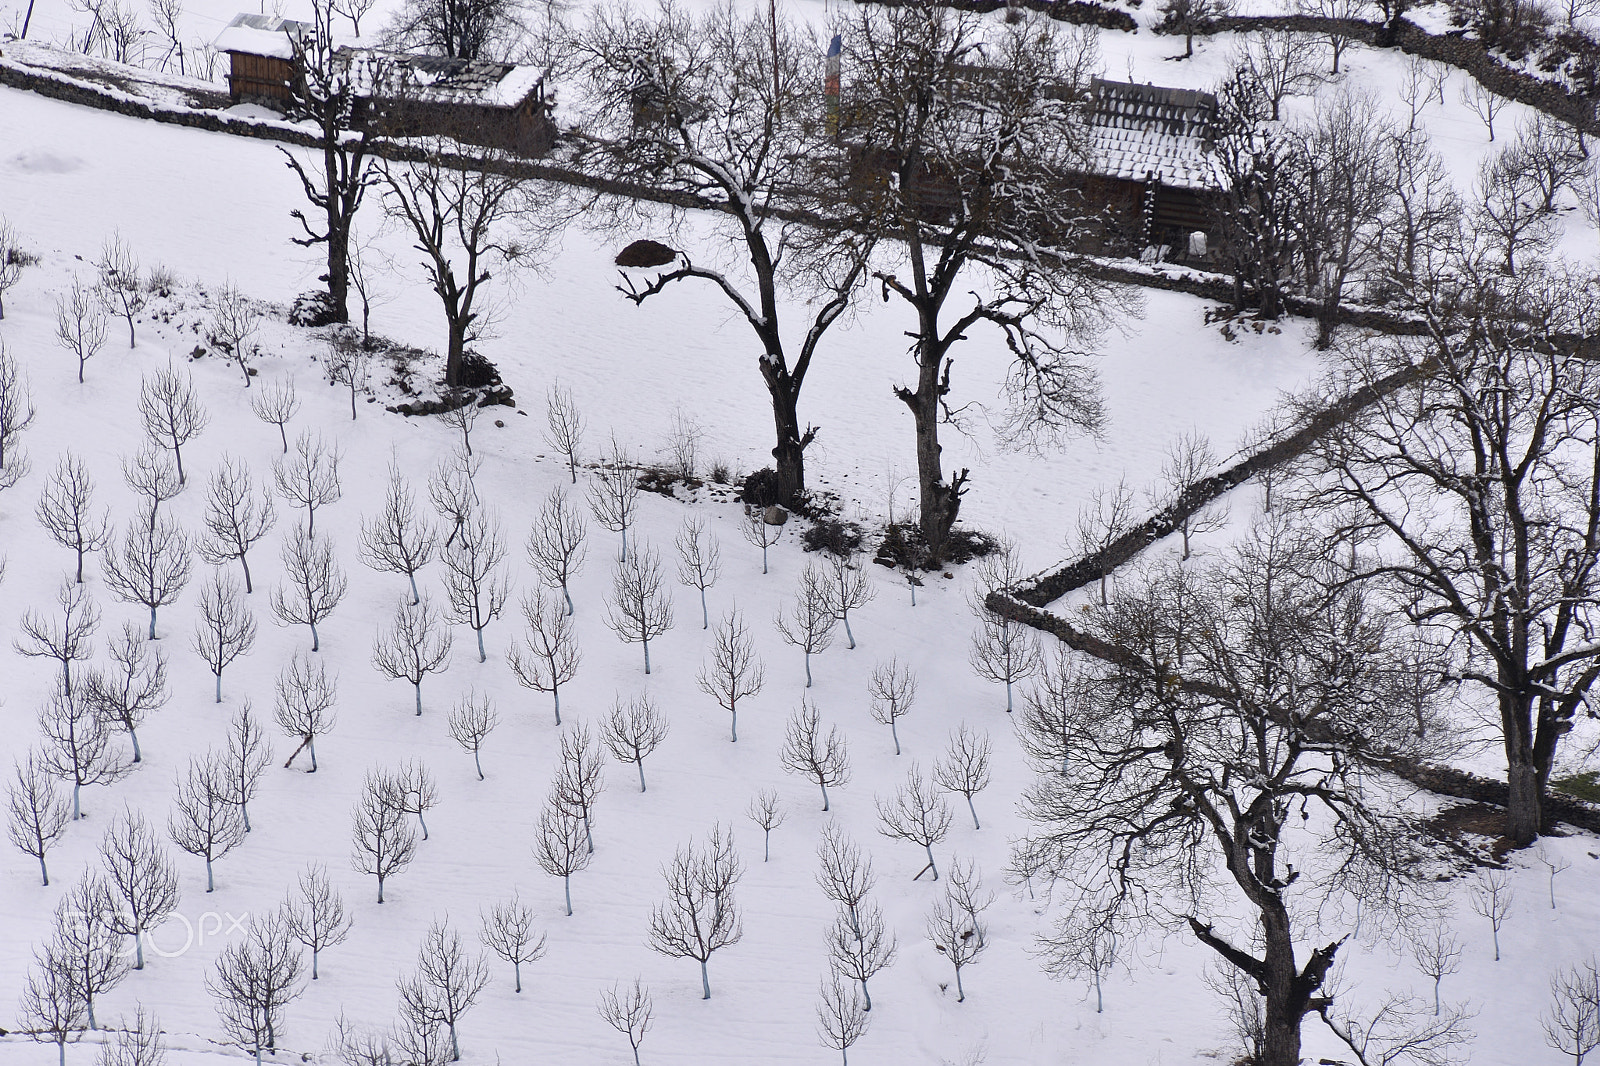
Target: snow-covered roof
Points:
(261, 35)
(1136, 130)
(398, 75)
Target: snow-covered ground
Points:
(215, 209)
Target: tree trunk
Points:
(1525, 807)
(940, 503)
(789, 454)
(1280, 1037)
(452, 359)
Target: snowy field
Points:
(213, 210)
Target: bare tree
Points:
(171, 409)
(447, 982)
(614, 493)
(1188, 459)
(453, 490)
(256, 977)
(313, 585)
(132, 686)
(310, 477)
(560, 844)
(759, 532)
(1555, 864)
(634, 731)
(628, 1012)
(1077, 947)
(462, 418)
(120, 287)
(304, 706)
(153, 477)
(552, 655)
(1279, 65)
(77, 745)
(414, 791)
(700, 915)
(848, 590)
(139, 1044)
(66, 510)
(1437, 953)
(13, 257)
(808, 753)
(893, 689)
(1555, 154)
(699, 560)
(236, 517)
(564, 426)
(1399, 1029)
(845, 873)
(965, 768)
(206, 821)
(276, 404)
(472, 720)
(1572, 1024)
(382, 840)
(414, 646)
(766, 811)
(80, 324)
(809, 623)
(227, 628)
(397, 540)
(234, 321)
(579, 779)
(39, 813)
(555, 544)
(508, 931)
(16, 409)
(349, 364)
(70, 641)
(639, 609)
(52, 1003)
(142, 874)
(1491, 897)
(734, 671)
(1507, 206)
(917, 814)
(859, 946)
(1108, 515)
(1186, 16)
(167, 17)
(247, 756)
(316, 916)
(841, 1016)
(152, 568)
(957, 933)
(1483, 102)
(474, 575)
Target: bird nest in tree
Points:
(645, 253)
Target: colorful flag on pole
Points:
(830, 84)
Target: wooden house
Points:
(260, 50)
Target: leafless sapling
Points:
(119, 287)
(734, 671)
(452, 487)
(1491, 897)
(1572, 1024)
(39, 813)
(555, 544)
(132, 687)
(226, 629)
(551, 658)
(845, 872)
(13, 260)
(87, 939)
(471, 722)
(398, 540)
(234, 321)
(841, 1015)
(580, 778)
(414, 791)
(560, 844)
(893, 689)
(313, 584)
(699, 560)
(640, 608)
(67, 642)
(860, 946)
(700, 915)
(304, 705)
(809, 622)
(916, 813)
(309, 477)
(462, 418)
(564, 426)
(66, 510)
(628, 1011)
(1398, 1028)
(614, 493)
(1483, 102)
(255, 978)
(766, 811)
(205, 820)
(1555, 864)
(247, 756)
(152, 566)
(1078, 947)
(1186, 16)
(682, 450)
(315, 916)
(508, 931)
(957, 933)
(382, 840)
(847, 588)
(153, 477)
(349, 364)
(138, 1044)
(759, 532)
(236, 517)
(171, 409)
(634, 730)
(80, 324)
(808, 753)
(16, 413)
(1189, 459)
(447, 982)
(1506, 206)
(1101, 524)
(138, 868)
(1436, 953)
(475, 579)
(414, 646)
(77, 745)
(276, 404)
(965, 767)
(52, 1003)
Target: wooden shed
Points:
(260, 51)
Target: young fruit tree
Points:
(1436, 953)
(78, 746)
(71, 641)
(560, 844)
(153, 478)
(119, 287)
(639, 609)
(38, 812)
(628, 1011)
(140, 872)
(414, 791)
(314, 914)
(234, 321)
(614, 493)
(171, 409)
(66, 510)
(397, 541)
(453, 489)
(309, 477)
(917, 814)
(276, 404)
(759, 532)
(508, 931)
(153, 565)
(304, 708)
(13, 257)
(475, 579)
(700, 915)
(893, 689)
(236, 517)
(1491, 897)
(734, 670)
(138, 1043)
(564, 425)
(841, 1015)
(382, 841)
(247, 757)
(699, 561)
(16, 412)
(313, 585)
(1572, 1024)
(132, 686)
(471, 722)
(52, 1002)
(414, 646)
(255, 979)
(809, 623)
(965, 767)
(808, 753)
(766, 811)
(206, 821)
(845, 873)
(634, 730)
(555, 544)
(957, 931)
(848, 590)
(80, 325)
(227, 628)
(552, 656)
(860, 946)
(447, 982)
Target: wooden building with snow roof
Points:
(261, 64)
